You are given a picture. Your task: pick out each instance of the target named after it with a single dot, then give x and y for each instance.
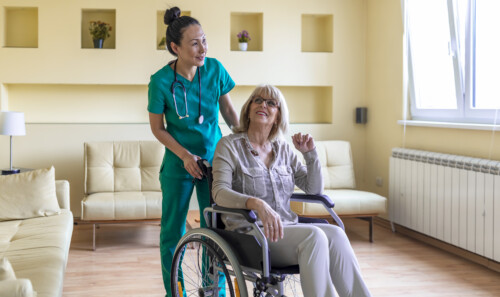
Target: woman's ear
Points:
(174, 47)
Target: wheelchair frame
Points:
(270, 281)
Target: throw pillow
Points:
(29, 194)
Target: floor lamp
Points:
(12, 124)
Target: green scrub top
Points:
(199, 139)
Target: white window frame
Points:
(464, 74)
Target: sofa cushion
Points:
(122, 166)
(29, 194)
(122, 206)
(347, 202)
(38, 250)
(336, 164)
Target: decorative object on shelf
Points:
(243, 38)
(163, 43)
(11, 123)
(99, 32)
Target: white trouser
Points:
(325, 258)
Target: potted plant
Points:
(99, 32)
(163, 43)
(243, 38)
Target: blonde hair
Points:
(266, 91)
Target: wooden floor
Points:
(127, 263)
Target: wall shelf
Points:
(103, 15)
(161, 28)
(88, 104)
(306, 104)
(21, 27)
(253, 23)
(317, 33)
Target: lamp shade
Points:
(12, 123)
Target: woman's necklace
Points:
(253, 151)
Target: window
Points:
(452, 59)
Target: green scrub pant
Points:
(176, 194)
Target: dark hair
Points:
(176, 25)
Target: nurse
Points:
(188, 93)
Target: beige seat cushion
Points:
(29, 194)
(38, 250)
(122, 206)
(347, 202)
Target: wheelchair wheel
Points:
(204, 265)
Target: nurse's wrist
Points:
(186, 156)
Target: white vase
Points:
(243, 46)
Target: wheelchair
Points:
(215, 262)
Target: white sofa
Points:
(37, 246)
(340, 186)
(121, 182)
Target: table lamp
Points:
(11, 123)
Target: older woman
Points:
(254, 169)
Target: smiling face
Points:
(264, 111)
(193, 46)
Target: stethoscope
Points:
(176, 84)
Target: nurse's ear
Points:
(174, 47)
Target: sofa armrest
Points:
(62, 192)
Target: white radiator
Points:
(453, 198)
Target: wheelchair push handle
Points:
(204, 166)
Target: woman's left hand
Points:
(303, 143)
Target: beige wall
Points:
(73, 95)
(67, 91)
(384, 99)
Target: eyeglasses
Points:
(270, 102)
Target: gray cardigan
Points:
(239, 175)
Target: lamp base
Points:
(10, 171)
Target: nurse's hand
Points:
(191, 166)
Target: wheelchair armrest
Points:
(249, 215)
(319, 198)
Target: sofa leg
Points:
(370, 226)
(93, 237)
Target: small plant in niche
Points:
(163, 42)
(99, 32)
(244, 36)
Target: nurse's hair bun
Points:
(171, 15)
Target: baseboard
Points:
(478, 259)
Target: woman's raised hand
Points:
(191, 166)
(303, 143)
